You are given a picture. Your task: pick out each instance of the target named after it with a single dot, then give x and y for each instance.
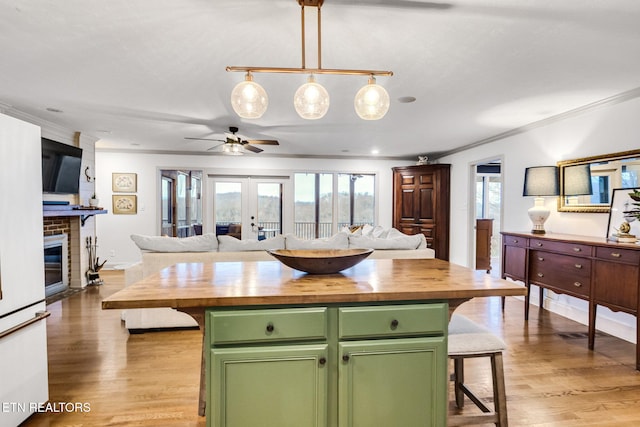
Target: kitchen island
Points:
(338, 349)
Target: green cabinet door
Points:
(274, 386)
(392, 383)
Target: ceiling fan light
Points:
(232, 149)
(248, 99)
(311, 100)
(371, 101)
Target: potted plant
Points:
(94, 201)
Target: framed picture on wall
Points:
(624, 215)
(125, 204)
(124, 182)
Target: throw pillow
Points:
(203, 243)
(400, 242)
(337, 241)
(231, 244)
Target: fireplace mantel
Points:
(83, 212)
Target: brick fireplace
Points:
(71, 227)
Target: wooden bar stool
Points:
(468, 339)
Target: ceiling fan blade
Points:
(215, 146)
(262, 141)
(203, 139)
(252, 148)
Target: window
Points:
(181, 202)
(326, 202)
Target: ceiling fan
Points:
(233, 144)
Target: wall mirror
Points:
(609, 171)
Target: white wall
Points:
(607, 129)
(113, 231)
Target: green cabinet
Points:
(393, 383)
(278, 386)
(337, 365)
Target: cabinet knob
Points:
(577, 284)
(515, 240)
(540, 258)
(577, 250)
(578, 265)
(270, 327)
(615, 254)
(394, 324)
(539, 244)
(345, 357)
(540, 275)
(322, 361)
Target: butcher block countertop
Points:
(198, 285)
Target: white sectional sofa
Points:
(161, 252)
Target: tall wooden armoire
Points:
(421, 204)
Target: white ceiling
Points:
(144, 74)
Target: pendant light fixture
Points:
(248, 99)
(311, 100)
(372, 101)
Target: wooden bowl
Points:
(320, 261)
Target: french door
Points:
(180, 201)
(247, 207)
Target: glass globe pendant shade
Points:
(311, 100)
(372, 101)
(248, 99)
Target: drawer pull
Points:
(539, 244)
(540, 275)
(577, 284)
(577, 250)
(616, 254)
(578, 266)
(345, 357)
(515, 240)
(322, 361)
(394, 324)
(270, 327)
(540, 258)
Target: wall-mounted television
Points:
(61, 165)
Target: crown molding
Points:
(612, 100)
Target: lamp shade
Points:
(576, 180)
(541, 181)
(248, 99)
(371, 101)
(311, 100)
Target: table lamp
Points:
(540, 181)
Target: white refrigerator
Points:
(24, 381)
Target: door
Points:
(487, 205)
(271, 386)
(396, 382)
(247, 207)
(181, 206)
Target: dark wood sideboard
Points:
(590, 268)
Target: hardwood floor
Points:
(151, 379)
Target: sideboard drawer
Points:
(287, 324)
(392, 320)
(627, 256)
(510, 240)
(569, 248)
(563, 272)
